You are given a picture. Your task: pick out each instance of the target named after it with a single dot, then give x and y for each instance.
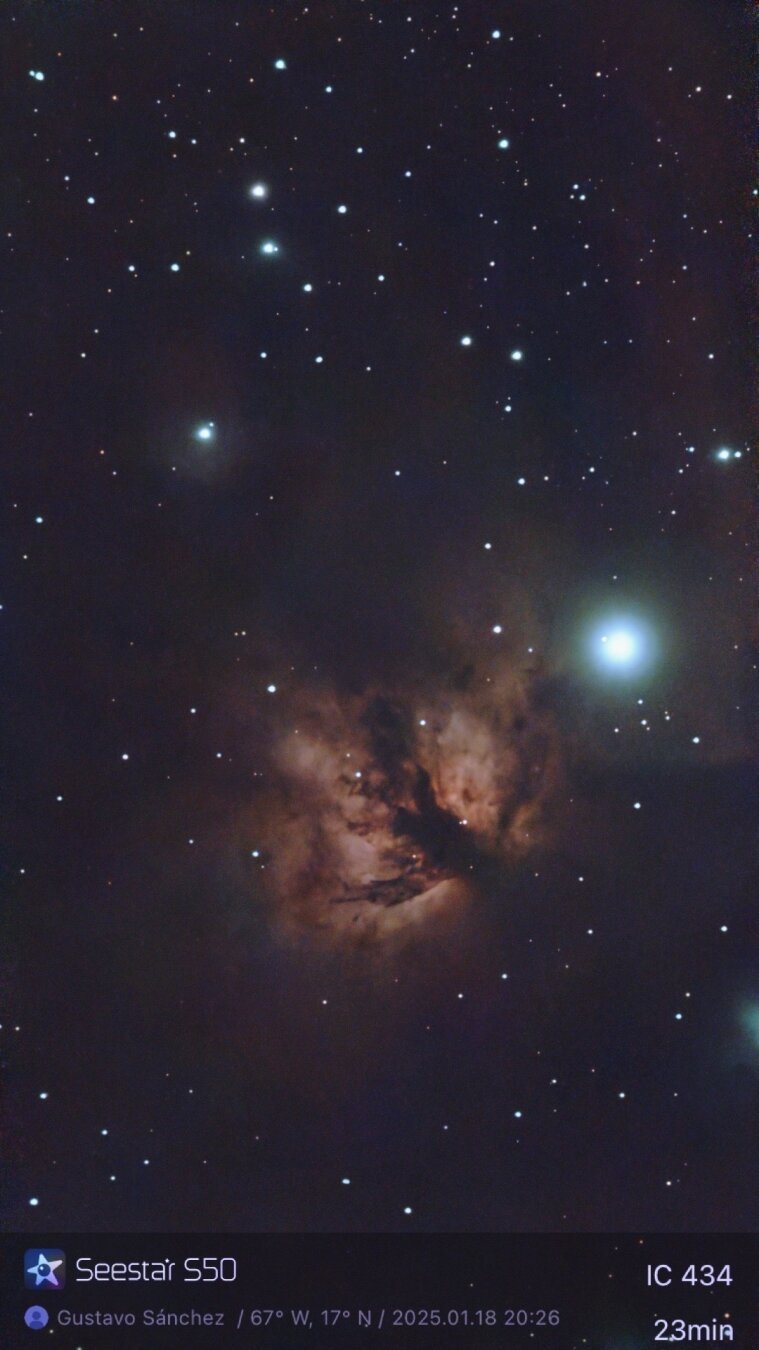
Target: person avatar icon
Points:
(36, 1318)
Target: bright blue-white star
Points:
(269, 248)
(205, 432)
(259, 191)
(622, 645)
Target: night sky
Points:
(377, 591)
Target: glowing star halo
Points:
(622, 645)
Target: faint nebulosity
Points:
(377, 610)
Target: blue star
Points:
(44, 1270)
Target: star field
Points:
(377, 617)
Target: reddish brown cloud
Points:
(388, 810)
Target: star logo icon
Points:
(44, 1269)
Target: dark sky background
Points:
(348, 885)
